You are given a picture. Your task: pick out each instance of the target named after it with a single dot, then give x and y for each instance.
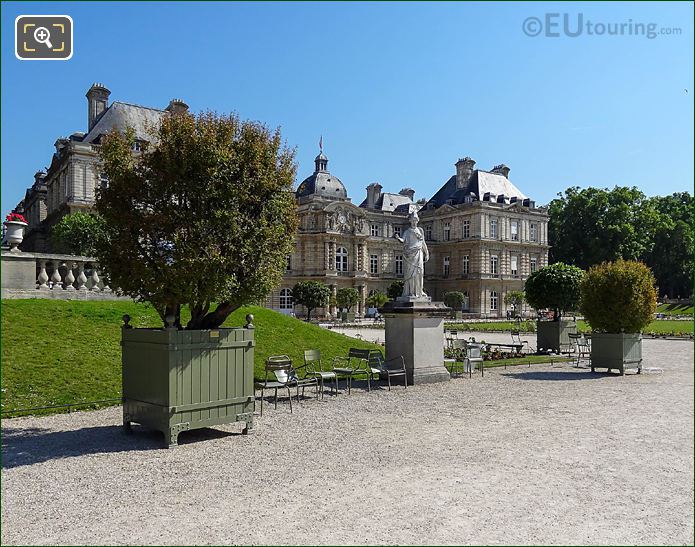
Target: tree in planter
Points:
(376, 299)
(395, 290)
(515, 299)
(618, 301)
(205, 217)
(311, 295)
(555, 287)
(79, 234)
(455, 300)
(347, 297)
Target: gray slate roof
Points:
(391, 202)
(121, 115)
(322, 183)
(480, 183)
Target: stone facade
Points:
(484, 235)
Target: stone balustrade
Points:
(44, 275)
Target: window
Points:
(534, 264)
(493, 228)
(288, 266)
(137, 146)
(397, 231)
(494, 261)
(341, 259)
(104, 181)
(533, 236)
(466, 301)
(373, 264)
(515, 265)
(374, 230)
(466, 266)
(466, 229)
(399, 264)
(515, 230)
(285, 299)
(446, 266)
(428, 232)
(493, 300)
(447, 231)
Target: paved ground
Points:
(539, 455)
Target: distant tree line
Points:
(592, 225)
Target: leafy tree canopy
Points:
(347, 297)
(205, 215)
(311, 295)
(79, 234)
(618, 296)
(555, 287)
(376, 299)
(395, 290)
(514, 298)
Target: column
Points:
(332, 309)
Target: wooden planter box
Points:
(347, 317)
(457, 315)
(616, 351)
(176, 380)
(554, 335)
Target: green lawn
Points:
(674, 309)
(662, 326)
(63, 352)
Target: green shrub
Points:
(395, 289)
(347, 297)
(454, 300)
(554, 287)
(618, 297)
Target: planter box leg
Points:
(171, 437)
(126, 424)
(248, 430)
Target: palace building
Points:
(484, 235)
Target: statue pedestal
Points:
(415, 330)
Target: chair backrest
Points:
(358, 357)
(376, 359)
(459, 344)
(474, 351)
(312, 360)
(281, 367)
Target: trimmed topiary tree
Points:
(618, 297)
(618, 301)
(395, 289)
(454, 300)
(555, 287)
(347, 297)
(311, 295)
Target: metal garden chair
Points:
(355, 364)
(474, 356)
(516, 339)
(387, 367)
(584, 348)
(314, 368)
(280, 366)
(457, 365)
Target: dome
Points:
(323, 184)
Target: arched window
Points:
(341, 259)
(286, 299)
(493, 300)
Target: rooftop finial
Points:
(321, 144)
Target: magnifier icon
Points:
(42, 36)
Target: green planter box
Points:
(347, 317)
(457, 315)
(176, 380)
(616, 352)
(554, 335)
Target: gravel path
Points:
(539, 455)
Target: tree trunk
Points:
(308, 314)
(213, 319)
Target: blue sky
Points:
(399, 91)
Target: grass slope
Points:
(674, 309)
(64, 352)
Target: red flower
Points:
(16, 217)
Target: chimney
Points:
(97, 103)
(501, 169)
(177, 106)
(373, 194)
(408, 192)
(464, 170)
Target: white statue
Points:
(415, 254)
